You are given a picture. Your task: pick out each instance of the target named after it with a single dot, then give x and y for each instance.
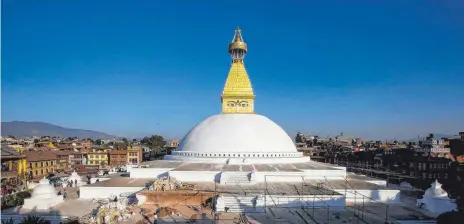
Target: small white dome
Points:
(435, 191)
(44, 190)
(74, 176)
(237, 133)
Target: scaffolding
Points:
(316, 201)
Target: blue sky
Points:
(375, 69)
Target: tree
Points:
(155, 142)
(32, 219)
(125, 141)
(98, 142)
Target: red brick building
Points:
(117, 158)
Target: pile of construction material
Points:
(166, 184)
(112, 210)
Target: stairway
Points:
(240, 204)
(235, 178)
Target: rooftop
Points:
(33, 156)
(123, 182)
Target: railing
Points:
(313, 207)
(362, 209)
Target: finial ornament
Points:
(237, 97)
(238, 47)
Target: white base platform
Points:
(42, 204)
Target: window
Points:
(41, 172)
(41, 164)
(36, 172)
(46, 163)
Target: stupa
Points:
(44, 196)
(238, 135)
(75, 177)
(436, 200)
(241, 152)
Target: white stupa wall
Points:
(92, 192)
(195, 176)
(149, 172)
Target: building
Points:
(14, 168)
(146, 153)
(117, 158)
(77, 159)
(40, 163)
(456, 145)
(134, 155)
(62, 162)
(170, 146)
(97, 157)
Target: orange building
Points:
(117, 158)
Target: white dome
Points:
(237, 133)
(435, 191)
(74, 176)
(44, 190)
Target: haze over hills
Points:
(29, 129)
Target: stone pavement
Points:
(72, 192)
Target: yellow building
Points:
(14, 166)
(19, 148)
(40, 163)
(238, 96)
(97, 157)
(134, 155)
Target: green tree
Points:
(98, 142)
(125, 141)
(9, 221)
(32, 219)
(155, 142)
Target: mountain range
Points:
(29, 129)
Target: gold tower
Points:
(237, 97)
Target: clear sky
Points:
(375, 69)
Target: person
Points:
(75, 183)
(65, 194)
(98, 180)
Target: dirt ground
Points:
(175, 198)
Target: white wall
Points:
(105, 192)
(195, 176)
(370, 196)
(148, 172)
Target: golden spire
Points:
(237, 96)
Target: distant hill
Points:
(29, 129)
